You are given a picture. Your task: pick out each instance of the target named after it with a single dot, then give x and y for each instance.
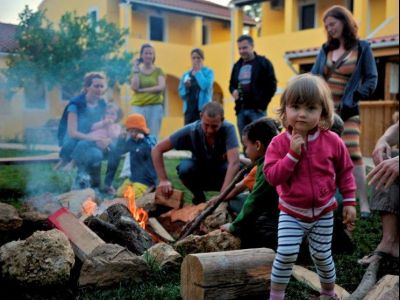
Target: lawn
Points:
(20, 181)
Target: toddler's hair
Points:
(308, 89)
(262, 130)
(116, 108)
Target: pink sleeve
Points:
(279, 167)
(344, 175)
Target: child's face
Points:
(135, 133)
(303, 117)
(111, 115)
(253, 150)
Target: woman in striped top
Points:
(348, 66)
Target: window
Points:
(205, 37)
(35, 95)
(156, 28)
(307, 15)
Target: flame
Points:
(139, 214)
(88, 207)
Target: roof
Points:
(8, 42)
(245, 2)
(194, 7)
(377, 42)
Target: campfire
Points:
(139, 214)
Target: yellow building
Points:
(289, 34)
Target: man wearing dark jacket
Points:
(252, 83)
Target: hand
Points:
(381, 152)
(235, 94)
(166, 188)
(212, 201)
(349, 217)
(225, 227)
(103, 144)
(296, 142)
(385, 173)
(188, 83)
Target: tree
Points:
(61, 57)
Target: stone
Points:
(73, 200)
(43, 259)
(111, 264)
(9, 218)
(164, 255)
(214, 241)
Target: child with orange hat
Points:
(139, 143)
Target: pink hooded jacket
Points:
(306, 183)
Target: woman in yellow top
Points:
(148, 83)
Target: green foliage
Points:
(62, 55)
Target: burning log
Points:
(227, 275)
(190, 227)
(174, 201)
(121, 229)
(159, 230)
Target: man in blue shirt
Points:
(215, 154)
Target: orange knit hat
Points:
(136, 121)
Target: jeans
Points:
(67, 148)
(153, 115)
(247, 116)
(88, 159)
(200, 176)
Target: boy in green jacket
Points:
(257, 222)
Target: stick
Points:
(191, 226)
(367, 283)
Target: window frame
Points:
(301, 4)
(164, 22)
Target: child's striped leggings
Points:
(290, 234)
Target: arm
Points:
(233, 84)
(158, 161)
(369, 75)
(205, 78)
(278, 169)
(98, 125)
(270, 81)
(182, 88)
(233, 166)
(386, 171)
(154, 89)
(73, 128)
(317, 65)
(135, 82)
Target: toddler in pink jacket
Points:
(306, 164)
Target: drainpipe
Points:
(380, 27)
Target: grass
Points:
(20, 181)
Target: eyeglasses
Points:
(98, 86)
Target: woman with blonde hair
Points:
(348, 66)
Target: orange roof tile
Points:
(195, 7)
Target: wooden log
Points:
(121, 229)
(386, 288)
(367, 282)
(174, 201)
(227, 274)
(83, 240)
(159, 230)
(311, 279)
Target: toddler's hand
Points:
(296, 142)
(349, 217)
(225, 227)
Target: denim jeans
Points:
(247, 116)
(153, 115)
(200, 176)
(67, 148)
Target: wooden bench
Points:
(47, 158)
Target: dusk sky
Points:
(11, 8)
